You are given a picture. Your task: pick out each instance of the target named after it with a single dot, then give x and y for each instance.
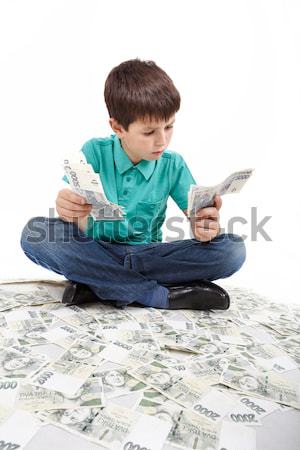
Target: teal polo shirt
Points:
(143, 189)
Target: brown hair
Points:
(139, 90)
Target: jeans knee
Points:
(234, 253)
(34, 232)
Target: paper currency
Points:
(18, 364)
(114, 427)
(86, 182)
(207, 376)
(86, 350)
(117, 381)
(34, 398)
(66, 377)
(193, 432)
(262, 384)
(202, 197)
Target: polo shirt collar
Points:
(123, 163)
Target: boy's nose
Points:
(161, 141)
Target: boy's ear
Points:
(116, 127)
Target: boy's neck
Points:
(127, 153)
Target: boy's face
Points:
(144, 139)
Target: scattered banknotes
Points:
(145, 378)
(87, 183)
(203, 196)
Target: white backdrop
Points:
(236, 64)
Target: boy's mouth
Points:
(158, 153)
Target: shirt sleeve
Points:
(181, 181)
(90, 155)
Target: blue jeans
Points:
(129, 273)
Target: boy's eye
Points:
(151, 132)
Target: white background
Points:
(237, 67)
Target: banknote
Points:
(32, 336)
(83, 321)
(157, 375)
(194, 432)
(140, 339)
(7, 338)
(291, 345)
(75, 420)
(87, 183)
(208, 370)
(86, 350)
(66, 377)
(35, 398)
(202, 197)
(129, 355)
(23, 320)
(109, 315)
(16, 295)
(163, 408)
(208, 346)
(241, 415)
(7, 300)
(269, 357)
(175, 340)
(252, 409)
(123, 330)
(20, 364)
(114, 426)
(231, 334)
(57, 334)
(145, 315)
(263, 384)
(171, 358)
(182, 389)
(116, 380)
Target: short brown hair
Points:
(139, 90)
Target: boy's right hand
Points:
(71, 207)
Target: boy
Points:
(126, 261)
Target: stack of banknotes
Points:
(201, 196)
(86, 182)
(143, 378)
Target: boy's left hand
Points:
(205, 224)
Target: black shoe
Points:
(201, 295)
(78, 293)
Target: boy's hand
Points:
(71, 207)
(205, 224)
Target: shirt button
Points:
(128, 178)
(125, 192)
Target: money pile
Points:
(202, 196)
(143, 378)
(86, 182)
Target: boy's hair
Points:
(140, 90)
